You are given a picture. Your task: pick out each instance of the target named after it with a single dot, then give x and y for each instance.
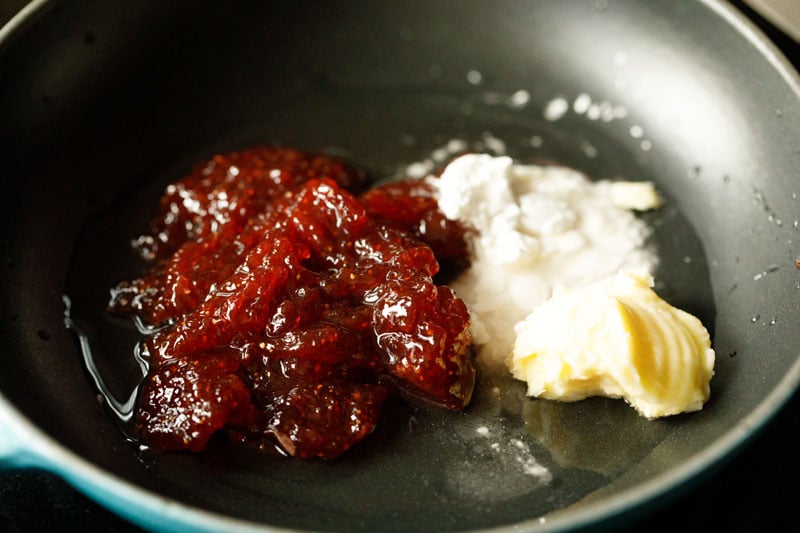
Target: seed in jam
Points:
(289, 308)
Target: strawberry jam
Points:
(288, 306)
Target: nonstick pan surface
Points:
(103, 103)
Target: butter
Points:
(637, 195)
(616, 338)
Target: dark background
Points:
(756, 490)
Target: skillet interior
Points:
(107, 105)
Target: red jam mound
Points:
(412, 206)
(229, 189)
(288, 308)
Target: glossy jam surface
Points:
(288, 308)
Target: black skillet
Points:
(102, 103)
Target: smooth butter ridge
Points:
(616, 338)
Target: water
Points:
(122, 409)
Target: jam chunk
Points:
(183, 403)
(411, 205)
(294, 326)
(231, 188)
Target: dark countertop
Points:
(756, 490)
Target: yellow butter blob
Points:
(615, 338)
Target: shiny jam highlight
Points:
(284, 305)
